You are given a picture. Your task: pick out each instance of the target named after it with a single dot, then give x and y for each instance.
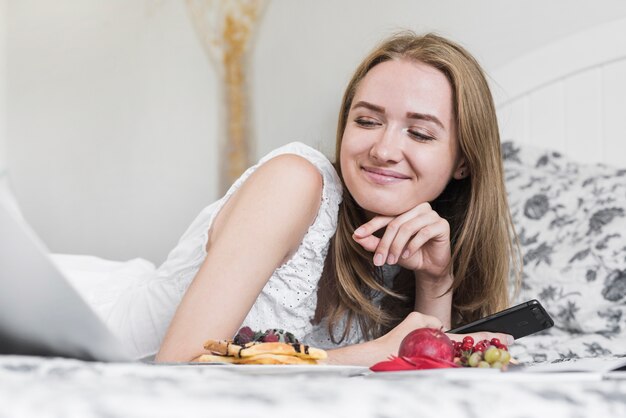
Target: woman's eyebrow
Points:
(370, 106)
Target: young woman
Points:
(408, 228)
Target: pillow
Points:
(570, 218)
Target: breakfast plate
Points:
(291, 369)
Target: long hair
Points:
(482, 236)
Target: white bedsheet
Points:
(37, 387)
(126, 296)
(88, 273)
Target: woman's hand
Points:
(418, 240)
(390, 342)
(371, 352)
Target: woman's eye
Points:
(366, 123)
(419, 136)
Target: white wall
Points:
(113, 107)
(3, 79)
(112, 110)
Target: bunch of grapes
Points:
(484, 353)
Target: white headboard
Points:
(569, 95)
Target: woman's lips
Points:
(382, 176)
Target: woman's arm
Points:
(430, 298)
(256, 231)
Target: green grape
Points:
(496, 365)
(505, 356)
(492, 354)
(483, 364)
(475, 358)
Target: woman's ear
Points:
(461, 170)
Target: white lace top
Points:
(289, 298)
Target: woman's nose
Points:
(386, 147)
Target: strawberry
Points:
(244, 336)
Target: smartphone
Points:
(519, 321)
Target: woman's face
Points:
(399, 147)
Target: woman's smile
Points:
(383, 176)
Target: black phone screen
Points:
(519, 321)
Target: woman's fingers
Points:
(421, 320)
(364, 235)
(439, 228)
(369, 243)
(415, 320)
(398, 240)
(398, 245)
(390, 342)
(372, 226)
(398, 232)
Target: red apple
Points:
(429, 342)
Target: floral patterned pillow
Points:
(570, 219)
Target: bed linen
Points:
(570, 218)
(31, 386)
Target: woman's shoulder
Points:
(293, 177)
(290, 162)
(309, 157)
(286, 174)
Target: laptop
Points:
(40, 312)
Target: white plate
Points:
(271, 369)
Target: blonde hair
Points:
(482, 237)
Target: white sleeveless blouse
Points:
(289, 298)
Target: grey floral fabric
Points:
(571, 223)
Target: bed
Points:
(563, 136)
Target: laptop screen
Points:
(40, 312)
